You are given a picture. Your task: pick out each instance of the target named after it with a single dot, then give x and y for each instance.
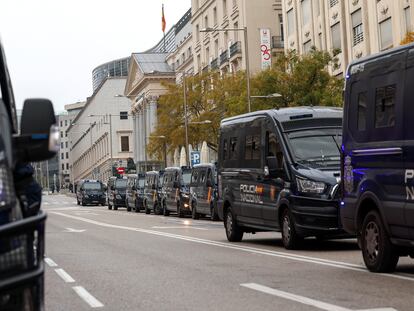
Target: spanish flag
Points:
(163, 23)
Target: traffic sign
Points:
(195, 158)
(121, 170)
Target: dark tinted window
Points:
(252, 147)
(225, 150)
(362, 112)
(385, 106)
(194, 176)
(120, 183)
(233, 153)
(203, 177)
(92, 186)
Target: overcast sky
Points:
(52, 46)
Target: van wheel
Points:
(109, 206)
(136, 208)
(290, 239)
(128, 207)
(233, 231)
(194, 213)
(115, 207)
(213, 214)
(378, 252)
(164, 209)
(147, 210)
(77, 202)
(83, 203)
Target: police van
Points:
(279, 171)
(378, 157)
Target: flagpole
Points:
(163, 26)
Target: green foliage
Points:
(301, 80)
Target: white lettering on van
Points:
(409, 175)
(251, 194)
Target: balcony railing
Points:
(224, 57)
(214, 63)
(235, 48)
(277, 42)
(205, 69)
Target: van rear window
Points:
(233, 149)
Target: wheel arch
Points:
(368, 202)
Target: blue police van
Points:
(279, 170)
(378, 157)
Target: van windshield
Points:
(141, 182)
(317, 148)
(121, 183)
(92, 186)
(186, 177)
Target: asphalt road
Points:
(115, 260)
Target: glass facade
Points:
(116, 68)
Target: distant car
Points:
(153, 192)
(203, 191)
(176, 191)
(90, 192)
(131, 191)
(118, 193)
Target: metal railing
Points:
(214, 63)
(235, 48)
(277, 42)
(224, 57)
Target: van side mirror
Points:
(272, 166)
(39, 134)
(176, 184)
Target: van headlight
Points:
(310, 186)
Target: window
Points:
(194, 176)
(63, 166)
(233, 152)
(386, 34)
(61, 145)
(385, 106)
(281, 27)
(66, 134)
(362, 112)
(62, 155)
(67, 166)
(306, 12)
(203, 177)
(123, 115)
(215, 16)
(225, 150)
(61, 123)
(66, 122)
(357, 29)
(307, 47)
(66, 144)
(224, 7)
(252, 147)
(61, 134)
(124, 144)
(273, 148)
(336, 36)
(67, 155)
(407, 18)
(332, 3)
(197, 33)
(290, 22)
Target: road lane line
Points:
(64, 275)
(300, 299)
(50, 262)
(87, 297)
(304, 300)
(278, 254)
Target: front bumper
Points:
(94, 200)
(316, 217)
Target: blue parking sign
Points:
(195, 158)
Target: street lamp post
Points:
(246, 52)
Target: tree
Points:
(409, 37)
(301, 80)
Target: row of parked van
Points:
(309, 171)
(179, 190)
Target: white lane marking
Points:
(74, 230)
(87, 297)
(80, 213)
(285, 255)
(178, 227)
(303, 300)
(50, 262)
(45, 203)
(64, 275)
